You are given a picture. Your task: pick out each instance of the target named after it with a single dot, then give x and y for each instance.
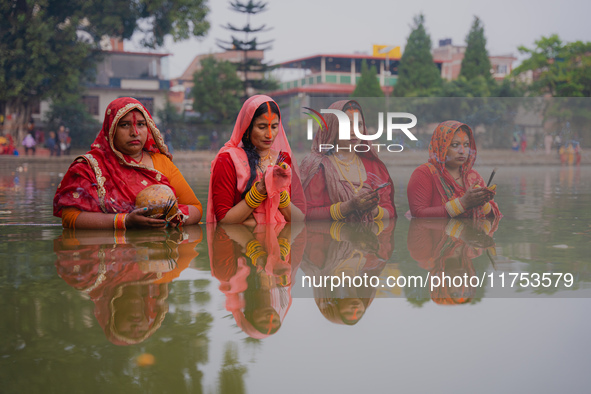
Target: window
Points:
(147, 102)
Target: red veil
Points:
(106, 180)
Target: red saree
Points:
(322, 184)
(106, 180)
(431, 185)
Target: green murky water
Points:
(189, 312)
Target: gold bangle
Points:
(380, 225)
(284, 247)
(256, 193)
(252, 201)
(335, 230)
(380, 214)
(285, 200)
(335, 211)
(454, 207)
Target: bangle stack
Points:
(254, 250)
(335, 230)
(119, 221)
(284, 200)
(254, 198)
(335, 211)
(284, 248)
(454, 207)
(380, 214)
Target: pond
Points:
(234, 309)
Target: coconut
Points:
(160, 201)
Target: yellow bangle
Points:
(284, 200)
(454, 207)
(380, 225)
(284, 247)
(335, 211)
(335, 230)
(256, 193)
(380, 214)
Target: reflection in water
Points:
(125, 275)
(255, 268)
(346, 249)
(447, 247)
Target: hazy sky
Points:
(308, 27)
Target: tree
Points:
(476, 62)
(47, 47)
(368, 85)
(558, 69)
(72, 113)
(417, 74)
(215, 91)
(250, 66)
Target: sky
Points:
(309, 27)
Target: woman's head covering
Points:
(268, 211)
(447, 187)
(116, 110)
(441, 140)
(104, 179)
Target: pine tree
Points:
(368, 85)
(249, 67)
(476, 62)
(417, 74)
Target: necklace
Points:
(355, 189)
(262, 160)
(140, 160)
(345, 164)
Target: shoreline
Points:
(408, 158)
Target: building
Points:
(450, 56)
(135, 74)
(180, 91)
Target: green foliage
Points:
(250, 66)
(476, 62)
(47, 46)
(417, 74)
(215, 91)
(72, 114)
(368, 84)
(559, 69)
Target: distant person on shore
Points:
(61, 140)
(557, 144)
(523, 143)
(447, 186)
(29, 143)
(51, 143)
(515, 143)
(128, 157)
(68, 141)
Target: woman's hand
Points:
(361, 202)
(138, 219)
(261, 186)
(476, 196)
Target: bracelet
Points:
(335, 211)
(454, 207)
(254, 198)
(380, 214)
(284, 247)
(119, 221)
(254, 250)
(380, 225)
(335, 230)
(284, 200)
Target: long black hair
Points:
(250, 150)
